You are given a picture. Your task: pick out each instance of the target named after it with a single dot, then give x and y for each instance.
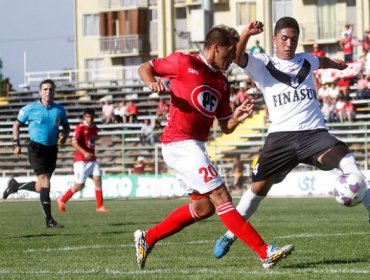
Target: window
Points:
(92, 67)
(91, 25)
(281, 8)
(326, 18)
(245, 12)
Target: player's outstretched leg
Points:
(141, 247)
(12, 187)
(223, 245)
(275, 254)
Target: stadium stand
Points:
(119, 144)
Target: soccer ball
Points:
(350, 189)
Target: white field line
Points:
(78, 248)
(189, 271)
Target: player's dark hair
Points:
(89, 111)
(47, 81)
(286, 22)
(222, 35)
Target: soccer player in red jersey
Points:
(85, 164)
(200, 93)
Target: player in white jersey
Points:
(297, 133)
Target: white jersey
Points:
(288, 90)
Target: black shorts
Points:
(283, 151)
(42, 158)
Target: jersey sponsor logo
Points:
(294, 96)
(193, 71)
(206, 100)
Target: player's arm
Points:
(253, 28)
(326, 62)
(146, 74)
(241, 112)
(17, 144)
(63, 135)
(87, 155)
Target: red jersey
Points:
(85, 136)
(347, 46)
(199, 93)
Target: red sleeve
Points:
(168, 66)
(77, 133)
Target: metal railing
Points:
(127, 44)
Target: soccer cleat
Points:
(142, 248)
(102, 209)
(11, 188)
(61, 205)
(53, 224)
(275, 254)
(222, 246)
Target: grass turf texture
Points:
(332, 242)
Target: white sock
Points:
(248, 204)
(348, 165)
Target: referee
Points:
(43, 118)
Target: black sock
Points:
(45, 202)
(30, 186)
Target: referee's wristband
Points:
(16, 143)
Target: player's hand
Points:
(88, 155)
(62, 138)
(157, 86)
(244, 110)
(253, 28)
(17, 151)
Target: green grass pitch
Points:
(332, 242)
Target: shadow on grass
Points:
(327, 262)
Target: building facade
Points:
(113, 37)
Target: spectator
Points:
(162, 110)
(343, 85)
(339, 108)
(131, 112)
(232, 98)
(147, 133)
(139, 166)
(107, 112)
(346, 45)
(366, 42)
(242, 94)
(347, 32)
(328, 109)
(323, 92)
(318, 51)
(363, 87)
(120, 109)
(349, 109)
(257, 48)
(333, 91)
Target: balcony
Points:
(127, 44)
(324, 32)
(122, 4)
